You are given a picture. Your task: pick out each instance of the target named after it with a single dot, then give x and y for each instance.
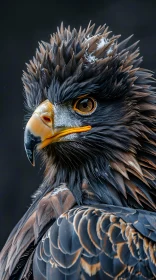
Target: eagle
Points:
(92, 120)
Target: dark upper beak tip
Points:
(30, 142)
(30, 155)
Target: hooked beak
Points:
(40, 130)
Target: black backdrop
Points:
(23, 24)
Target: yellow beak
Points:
(40, 130)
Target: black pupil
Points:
(84, 103)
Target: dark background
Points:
(23, 24)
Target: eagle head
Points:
(93, 116)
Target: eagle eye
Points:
(85, 105)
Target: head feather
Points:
(75, 62)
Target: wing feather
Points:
(104, 242)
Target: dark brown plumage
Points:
(91, 218)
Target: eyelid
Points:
(82, 96)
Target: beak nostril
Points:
(46, 119)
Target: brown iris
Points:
(85, 105)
